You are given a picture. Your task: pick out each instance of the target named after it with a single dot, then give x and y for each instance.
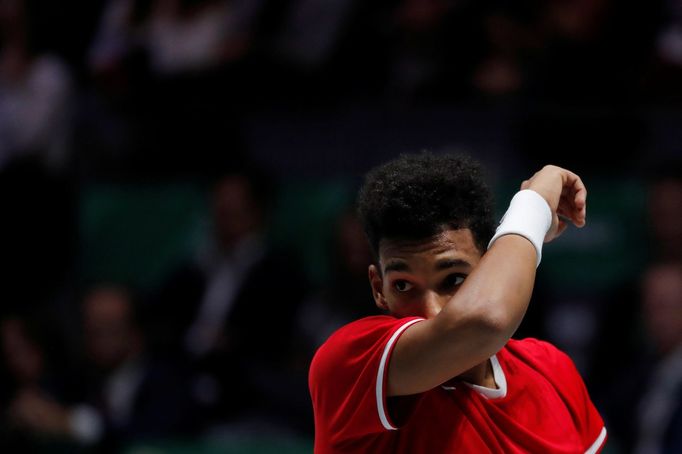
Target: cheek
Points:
(403, 304)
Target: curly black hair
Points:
(419, 195)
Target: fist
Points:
(566, 195)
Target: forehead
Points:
(455, 244)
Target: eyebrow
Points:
(396, 266)
(440, 265)
(451, 263)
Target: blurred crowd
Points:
(138, 92)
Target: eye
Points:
(453, 280)
(402, 286)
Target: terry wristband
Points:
(528, 215)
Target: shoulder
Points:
(549, 361)
(557, 368)
(357, 342)
(365, 327)
(531, 349)
(362, 334)
(545, 358)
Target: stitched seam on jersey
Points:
(381, 375)
(597, 443)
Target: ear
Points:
(377, 284)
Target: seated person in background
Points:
(346, 296)
(644, 409)
(232, 313)
(664, 210)
(622, 334)
(439, 372)
(659, 414)
(126, 395)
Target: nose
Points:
(433, 304)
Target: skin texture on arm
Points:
(471, 322)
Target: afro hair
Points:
(417, 196)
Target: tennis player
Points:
(439, 372)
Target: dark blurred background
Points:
(177, 180)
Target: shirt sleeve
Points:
(348, 378)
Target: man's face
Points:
(235, 212)
(417, 278)
(110, 333)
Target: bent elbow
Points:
(494, 324)
(498, 319)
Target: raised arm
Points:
(490, 304)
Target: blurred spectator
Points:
(434, 45)
(320, 52)
(197, 35)
(659, 415)
(644, 406)
(665, 72)
(347, 296)
(126, 396)
(583, 85)
(232, 312)
(513, 38)
(179, 35)
(170, 77)
(619, 328)
(35, 92)
(312, 30)
(669, 43)
(665, 211)
(28, 374)
(137, 396)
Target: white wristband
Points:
(528, 215)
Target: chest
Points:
(532, 417)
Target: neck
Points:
(481, 374)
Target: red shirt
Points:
(541, 404)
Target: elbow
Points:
(500, 309)
(495, 327)
(490, 322)
(497, 320)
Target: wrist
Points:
(529, 216)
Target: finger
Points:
(576, 194)
(572, 215)
(575, 183)
(582, 217)
(577, 208)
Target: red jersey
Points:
(541, 404)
